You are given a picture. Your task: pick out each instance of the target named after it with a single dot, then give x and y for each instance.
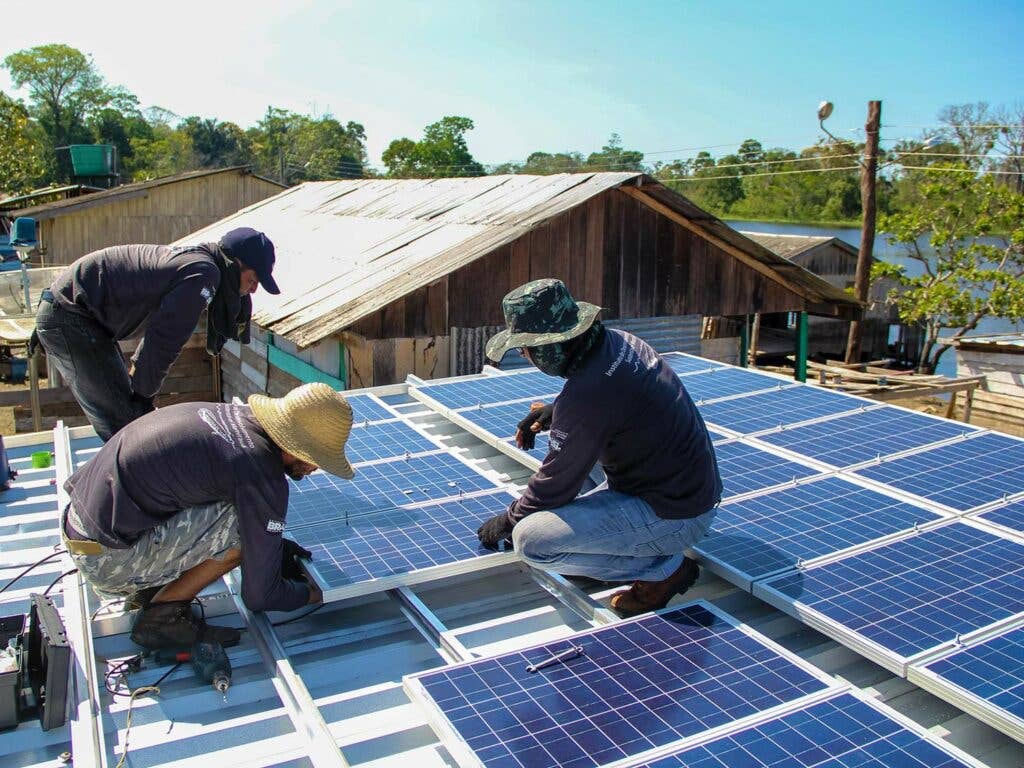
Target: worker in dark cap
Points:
(154, 293)
(621, 406)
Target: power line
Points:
(754, 175)
(940, 169)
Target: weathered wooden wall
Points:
(1003, 371)
(160, 214)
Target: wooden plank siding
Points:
(160, 214)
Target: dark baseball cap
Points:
(255, 251)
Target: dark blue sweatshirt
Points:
(626, 408)
(182, 456)
(131, 290)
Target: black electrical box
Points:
(49, 662)
(11, 630)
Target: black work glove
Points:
(291, 554)
(495, 531)
(539, 420)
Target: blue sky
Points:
(668, 76)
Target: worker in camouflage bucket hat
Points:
(621, 406)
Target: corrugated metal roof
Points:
(347, 249)
(51, 210)
(997, 342)
(791, 246)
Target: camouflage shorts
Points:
(162, 554)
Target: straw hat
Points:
(311, 422)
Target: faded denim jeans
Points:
(92, 366)
(609, 536)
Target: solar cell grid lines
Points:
(913, 594)
(377, 487)
(399, 542)
(840, 732)
(683, 364)
(366, 409)
(637, 685)
(765, 534)
(962, 475)
(745, 468)
(769, 410)
(726, 382)
(865, 435)
(1008, 515)
(493, 389)
(383, 440)
(501, 421)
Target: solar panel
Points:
(493, 389)
(385, 440)
(985, 678)
(1010, 516)
(769, 410)
(366, 408)
(682, 363)
(961, 475)
(745, 468)
(501, 421)
(865, 435)
(637, 685)
(841, 732)
(377, 487)
(400, 542)
(726, 382)
(765, 534)
(910, 595)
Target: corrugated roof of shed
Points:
(790, 246)
(352, 247)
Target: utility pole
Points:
(868, 172)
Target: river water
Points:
(885, 251)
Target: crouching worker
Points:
(624, 407)
(184, 494)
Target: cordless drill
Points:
(209, 663)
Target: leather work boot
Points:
(646, 596)
(141, 599)
(173, 626)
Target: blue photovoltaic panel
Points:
(727, 382)
(638, 684)
(399, 541)
(384, 440)
(766, 534)
(992, 671)
(322, 497)
(843, 732)
(768, 410)
(745, 468)
(865, 435)
(919, 592)
(682, 363)
(501, 421)
(366, 409)
(494, 389)
(961, 475)
(1011, 516)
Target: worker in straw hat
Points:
(184, 494)
(621, 406)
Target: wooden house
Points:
(157, 211)
(385, 278)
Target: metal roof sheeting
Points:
(791, 246)
(349, 248)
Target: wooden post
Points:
(755, 331)
(743, 343)
(801, 346)
(868, 171)
(968, 402)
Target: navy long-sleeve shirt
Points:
(186, 455)
(627, 409)
(153, 291)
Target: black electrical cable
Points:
(296, 618)
(57, 580)
(30, 569)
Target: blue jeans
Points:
(92, 365)
(609, 536)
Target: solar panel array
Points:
(635, 686)
(745, 468)
(1007, 515)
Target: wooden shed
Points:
(157, 211)
(835, 261)
(383, 278)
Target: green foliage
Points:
(292, 147)
(21, 163)
(613, 157)
(442, 152)
(974, 267)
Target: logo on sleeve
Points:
(275, 526)
(207, 295)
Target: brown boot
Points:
(646, 596)
(173, 626)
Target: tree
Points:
(1010, 142)
(293, 147)
(64, 90)
(973, 264)
(442, 152)
(613, 157)
(216, 144)
(21, 166)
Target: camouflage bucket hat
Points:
(540, 312)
